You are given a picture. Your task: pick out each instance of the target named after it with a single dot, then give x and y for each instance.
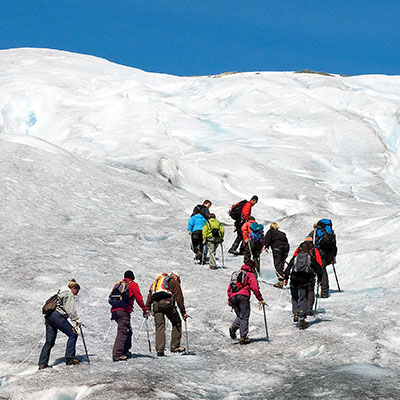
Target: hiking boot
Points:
(123, 357)
(232, 332)
(324, 295)
(279, 285)
(198, 256)
(244, 340)
(72, 361)
(43, 366)
(128, 354)
(179, 349)
(213, 267)
(233, 251)
(310, 313)
(296, 317)
(303, 324)
(160, 353)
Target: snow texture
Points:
(100, 167)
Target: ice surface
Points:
(101, 166)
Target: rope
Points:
(22, 362)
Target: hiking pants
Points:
(279, 262)
(324, 280)
(161, 309)
(299, 300)
(311, 294)
(57, 321)
(239, 235)
(197, 242)
(212, 246)
(255, 252)
(241, 305)
(123, 340)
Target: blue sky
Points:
(207, 37)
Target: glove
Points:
(190, 233)
(146, 314)
(79, 323)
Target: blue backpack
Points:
(257, 233)
(325, 236)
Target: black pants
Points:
(279, 256)
(239, 235)
(197, 242)
(299, 300)
(324, 280)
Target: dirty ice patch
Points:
(67, 393)
(367, 370)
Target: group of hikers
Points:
(309, 261)
(165, 295)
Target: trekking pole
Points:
(334, 270)
(148, 334)
(316, 298)
(222, 252)
(265, 321)
(187, 337)
(84, 344)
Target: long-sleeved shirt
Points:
(251, 285)
(246, 210)
(66, 303)
(134, 294)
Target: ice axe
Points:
(84, 344)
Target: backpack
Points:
(257, 232)
(50, 305)
(302, 264)
(160, 288)
(238, 280)
(236, 210)
(325, 236)
(119, 296)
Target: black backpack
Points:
(236, 210)
(302, 264)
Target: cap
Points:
(254, 198)
(130, 275)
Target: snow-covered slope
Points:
(100, 168)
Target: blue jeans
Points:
(55, 322)
(241, 305)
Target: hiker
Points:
(301, 269)
(324, 240)
(279, 244)
(311, 286)
(58, 320)
(253, 241)
(242, 283)
(240, 212)
(122, 297)
(203, 209)
(213, 235)
(195, 229)
(163, 293)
